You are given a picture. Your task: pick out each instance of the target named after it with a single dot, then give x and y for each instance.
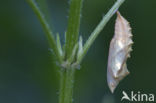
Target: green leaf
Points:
(59, 47)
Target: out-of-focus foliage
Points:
(28, 73)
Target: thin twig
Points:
(98, 29)
(46, 28)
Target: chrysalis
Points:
(119, 51)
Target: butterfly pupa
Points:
(119, 51)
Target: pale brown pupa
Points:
(119, 51)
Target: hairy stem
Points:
(46, 27)
(67, 73)
(73, 26)
(66, 85)
(99, 28)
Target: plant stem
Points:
(46, 27)
(99, 28)
(73, 26)
(66, 85)
(67, 74)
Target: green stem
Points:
(67, 75)
(73, 26)
(98, 29)
(46, 27)
(66, 85)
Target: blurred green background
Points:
(28, 73)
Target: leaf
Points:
(59, 47)
(80, 50)
(119, 51)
